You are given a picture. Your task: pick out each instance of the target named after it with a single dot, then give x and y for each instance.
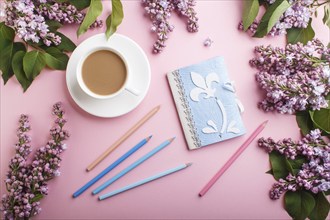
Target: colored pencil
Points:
(144, 181)
(111, 167)
(132, 166)
(232, 159)
(123, 138)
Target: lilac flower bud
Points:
(159, 13)
(289, 86)
(43, 168)
(64, 146)
(313, 175)
(208, 42)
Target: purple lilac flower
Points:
(306, 146)
(27, 183)
(295, 78)
(186, 9)
(2, 11)
(160, 11)
(208, 42)
(314, 174)
(297, 15)
(28, 18)
(61, 12)
(29, 26)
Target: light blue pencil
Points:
(111, 167)
(132, 166)
(144, 181)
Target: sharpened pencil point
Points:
(264, 123)
(148, 138)
(157, 108)
(188, 164)
(170, 140)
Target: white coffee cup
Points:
(125, 86)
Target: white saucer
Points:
(125, 102)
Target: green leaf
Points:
(303, 35)
(264, 2)
(6, 56)
(327, 97)
(66, 44)
(37, 198)
(297, 163)
(80, 4)
(7, 36)
(250, 12)
(56, 59)
(321, 209)
(6, 32)
(115, 19)
(304, 122)
(272, 15)
(321, 119)
(33, 63)
(288, 166)
(279, 165)
(299, 204)
(270, 172)
(278, 12)
(326, 17)
(53, 25)
(94, 10)
(17, 64)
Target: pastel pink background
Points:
(241, 193)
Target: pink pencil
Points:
(232, 159)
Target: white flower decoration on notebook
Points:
(204, 86)
(230, 86)
(211, 129)
(231, 128)
(205, 98)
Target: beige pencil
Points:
(123, 138)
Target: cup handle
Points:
(133, 91)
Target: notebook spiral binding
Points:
(187, 110)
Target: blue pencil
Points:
(132, 166)
(144, 181)
(111, 167)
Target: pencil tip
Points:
(188, 164)
(88, 169)
(265, 122)
(157, 107)
(148, 138)
(170, 140)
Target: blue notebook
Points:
(207, 105)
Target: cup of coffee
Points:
(103, 73)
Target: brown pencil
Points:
(123, 138)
